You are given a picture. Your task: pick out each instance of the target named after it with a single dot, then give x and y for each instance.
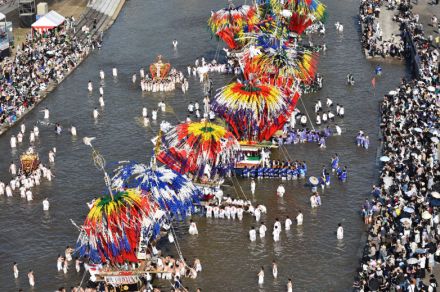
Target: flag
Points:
(373, 82)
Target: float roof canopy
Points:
(49, 21)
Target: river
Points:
(310, 255)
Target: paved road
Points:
(389, 27)
(426, 9)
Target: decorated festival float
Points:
(206, 152)
(203, 150)
(162, 77)
(119, 239)
(266, 41)
(159, 70)
(29, 161)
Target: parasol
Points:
(373, 284)
(408, 210)
(112, 228)
(313, 180)
(418, 130)
(434, 139)
(384, 159)
(435, 195)
(253, 111)
(405, 221)
(170, 190)
(426, 215)
(412, 261)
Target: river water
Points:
(310, 255)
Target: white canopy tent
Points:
(49, 21)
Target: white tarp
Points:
(48, 21)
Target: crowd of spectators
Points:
(424, 46)
(404, 220)
(403, 243)
(372, 33)
(42, 59)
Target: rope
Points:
(179, 251)
(288, 155)
(235, 189)
(307, 113)
(282, 151)
(176, 243)
(84, 275)
(240, 188)
(171, 110)
(287, 152)
(181, 286)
